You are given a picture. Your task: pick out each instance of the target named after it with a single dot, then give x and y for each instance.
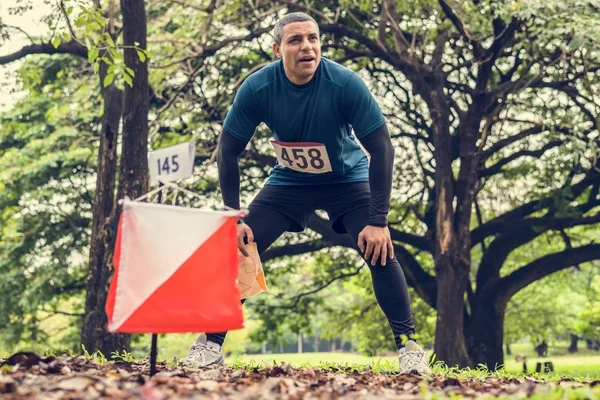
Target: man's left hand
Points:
(376, 242)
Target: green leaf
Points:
(141, 55)
(80, 21)
(109, 40)
(128, 79)
(66, 37)
(60, 73)
(129, 71)
(98, 17)
(55, 41)
(69, 10)
(96, 67)
(108, 79)
(93, 54)
(116, 55)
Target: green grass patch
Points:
(581, 368)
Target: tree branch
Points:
(499, 223)
(323, 227)
(545, 266)
(190, 5)
(424, 284)
(501, 144)
(405, 65)
(497, 168)
(61, 5)
(517, 233)
(318, 289)
(295, 249)
(492, 54)
(567, 82)
(389, 13)
(16, 28)
(71, 47)
(62, 312)
(307, 8)
(460, 27)
(71, 287)
(210, 50)
(418, 242)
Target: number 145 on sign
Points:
(171, 163)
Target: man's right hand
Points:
(244, 231)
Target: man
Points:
(312, 105)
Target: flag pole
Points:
(154, 343)
(153, 351)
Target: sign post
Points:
(167, 165)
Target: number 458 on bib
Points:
(306, 157)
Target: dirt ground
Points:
(30, 376)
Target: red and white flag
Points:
(175, 271)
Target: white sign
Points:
(171, 163)
(303, 156)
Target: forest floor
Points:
(29, 376)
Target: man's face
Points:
(300, 50)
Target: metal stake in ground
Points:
(153, 351)
(154, 344)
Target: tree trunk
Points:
(133, 178)
(450, 344)
(485, 331)
(94, 335)
(300, 338)
(451, 266)
(573, 345)
(508, 351)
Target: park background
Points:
(493, 108)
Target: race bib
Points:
(307, 157)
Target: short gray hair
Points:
(288, 19)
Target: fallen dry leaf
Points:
(32, 376)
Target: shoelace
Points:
(201, 347)
(414, 358)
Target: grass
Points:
(581, 367)
(584, 365)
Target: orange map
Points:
(251, 277)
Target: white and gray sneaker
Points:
(203, 353)
(413, 359)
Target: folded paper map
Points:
(251, 278)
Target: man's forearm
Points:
(228, 151)
(381, 150)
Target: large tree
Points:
(494, 109)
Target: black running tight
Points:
(389, 282)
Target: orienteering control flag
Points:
(175, 271)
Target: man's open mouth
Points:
(307, 59)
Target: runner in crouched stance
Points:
(311, 105)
